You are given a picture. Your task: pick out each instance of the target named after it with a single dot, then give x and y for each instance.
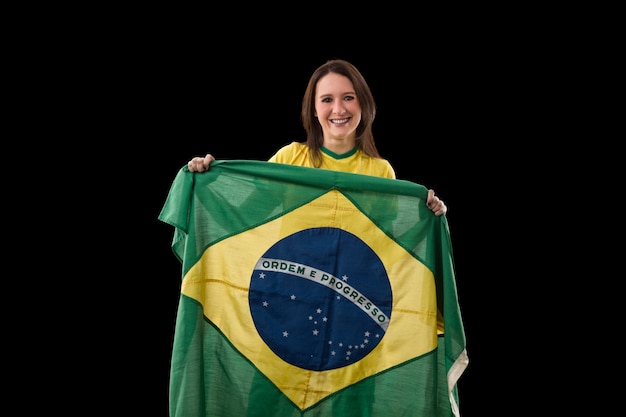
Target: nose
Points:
(338, 108)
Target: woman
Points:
(338, 110)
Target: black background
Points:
(426, 126)
(493, 108)
(445, 119)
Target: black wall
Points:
(439, 123)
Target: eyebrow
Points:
(343, 94)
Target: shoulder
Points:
(288, 151)
(382, 167)
(388, 171)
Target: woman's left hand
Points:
(435, 204)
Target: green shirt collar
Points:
(340, 156)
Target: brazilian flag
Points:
(311, 293)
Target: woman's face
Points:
(337, 107)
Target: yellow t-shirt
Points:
(355, 161)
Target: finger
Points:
(430, 197)
(205, 162)
(196, 164)
(429, 200)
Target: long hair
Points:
(314, 133)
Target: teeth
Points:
(339, 121)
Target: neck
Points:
(340, 145)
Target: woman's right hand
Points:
(200, 164)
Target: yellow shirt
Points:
(355, 161)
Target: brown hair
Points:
(314, 133)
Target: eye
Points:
(326, 100)
(348, 98)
